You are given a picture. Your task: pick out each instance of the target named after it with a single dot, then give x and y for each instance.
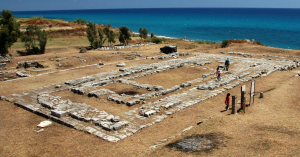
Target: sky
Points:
(33, 5)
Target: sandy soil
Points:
(270, 126)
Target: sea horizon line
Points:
(158, 8)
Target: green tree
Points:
(141, 33)
(9, 31)
(42, 38)
(32, 35)
(92, 34)
(145, 33)
(124, 35)
(101, 37)
(108, 25)
(152, 34)
(97, 40)
(111, 37)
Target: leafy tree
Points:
(108, 25)
(97, 40)
(91, 33)
(141, 33)
(124, 35)
(145, 33)
(101, 37)
(9, 31)
(111, 37)
(152, 34)
(32, 35)
(42, 38)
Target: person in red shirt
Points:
(227, 101)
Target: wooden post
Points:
(233, 104)
(243, 102)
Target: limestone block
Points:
(106, 125)
(133, 102)
(149, 113)
(58, 113)
(120, 125)
(205, 75)
(171, 104)
(58, 86)
(89, 130)
(110, 117)
(121, 64)
(111, 138)
(21, 74)
(116, 119)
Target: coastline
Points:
(269, 26)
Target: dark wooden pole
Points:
(233, 104)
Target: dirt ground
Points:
(270, 126)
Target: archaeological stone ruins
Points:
(130, 113)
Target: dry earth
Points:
(270, 126)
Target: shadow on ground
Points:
(200, 143)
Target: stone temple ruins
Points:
(130, 113)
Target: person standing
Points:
(218, 73)
(227, 101)
(227, 63)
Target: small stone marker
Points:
(121, 64)
(261, 95)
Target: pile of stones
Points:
(173, 55)
(29, 64)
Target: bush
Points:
(257, 43)
(79, 21)
(204, 42)
(36, 18)
(225, 43)
(152, 34)
(157, 40)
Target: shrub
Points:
(257, 43)
(152, 34)
(225, 43)
(204, 42)
(157, 40)
(79, 21)
(36, 17)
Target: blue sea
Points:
(272, 27)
